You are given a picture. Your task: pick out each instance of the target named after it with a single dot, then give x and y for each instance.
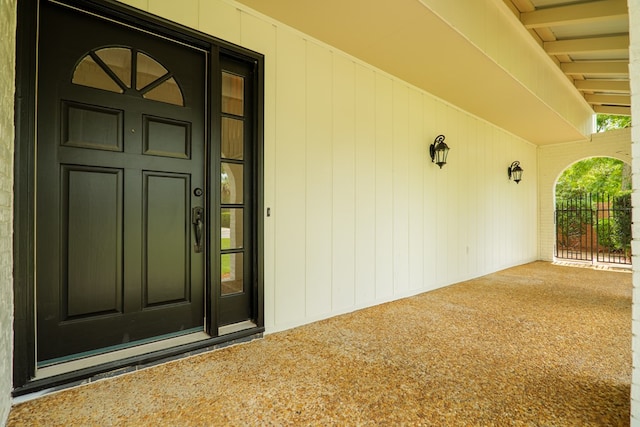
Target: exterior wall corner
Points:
(8, 10)
(634, 71)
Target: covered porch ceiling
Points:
(587, 40)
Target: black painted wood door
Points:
(120, 177)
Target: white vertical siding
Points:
(343, 183)
(365, 187)
(289, 210)
(430, 212)
(400, 187)
(223, 19)
(475, 167)
(185, 12)
(384, 187)
(360, 214)
(416, 161)
(319, 181)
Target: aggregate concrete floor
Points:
(535, 345)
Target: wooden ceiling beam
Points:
(608, 109)
(622, 100)
(523, 5)
(512, 7)
(612, 86)
(545, 34)
(597, 68)
(597, 11)
(588, 45)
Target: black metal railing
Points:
(595, 228)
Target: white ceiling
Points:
(406, 39)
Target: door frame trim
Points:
(24, 354)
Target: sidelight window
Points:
(232, 194)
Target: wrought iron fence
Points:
(595, 228)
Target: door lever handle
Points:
(197, 217)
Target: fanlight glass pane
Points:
(119, 61)
(232, 94)
(167, 91)
(89, 73)
(231, 275)
(231, 230)
(148, 71)
(231, 183)
(232, 139)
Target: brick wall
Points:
(7, 69)
(554, 159)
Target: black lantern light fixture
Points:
(515, 171)
(439, 151)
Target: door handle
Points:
(197, 216)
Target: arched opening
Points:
(592, 214)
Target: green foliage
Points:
(599, 181)
(605, 122)
(622, 221)
(225, 262)
(572, 215)
(606, 234)
(602, 175)
(615, 232)
(609, 217)
(225, 219)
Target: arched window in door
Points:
(126, 70)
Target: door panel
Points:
(166, 219)
(167, 138)
(120, 149)
(90, 126)
(93, 235)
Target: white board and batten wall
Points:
(359, 214)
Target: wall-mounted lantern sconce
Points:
(439, 151)
(515, 171)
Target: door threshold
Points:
(235, 327)
(89, 361)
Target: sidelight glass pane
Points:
(232, 274)
(231, 183)
(231, 228)
(232, 138)
(89, 73)
(232, 94)
(167, 91)
(148, 71)
(119, 61)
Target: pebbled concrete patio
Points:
(535, 345)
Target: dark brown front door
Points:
(120, 185)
